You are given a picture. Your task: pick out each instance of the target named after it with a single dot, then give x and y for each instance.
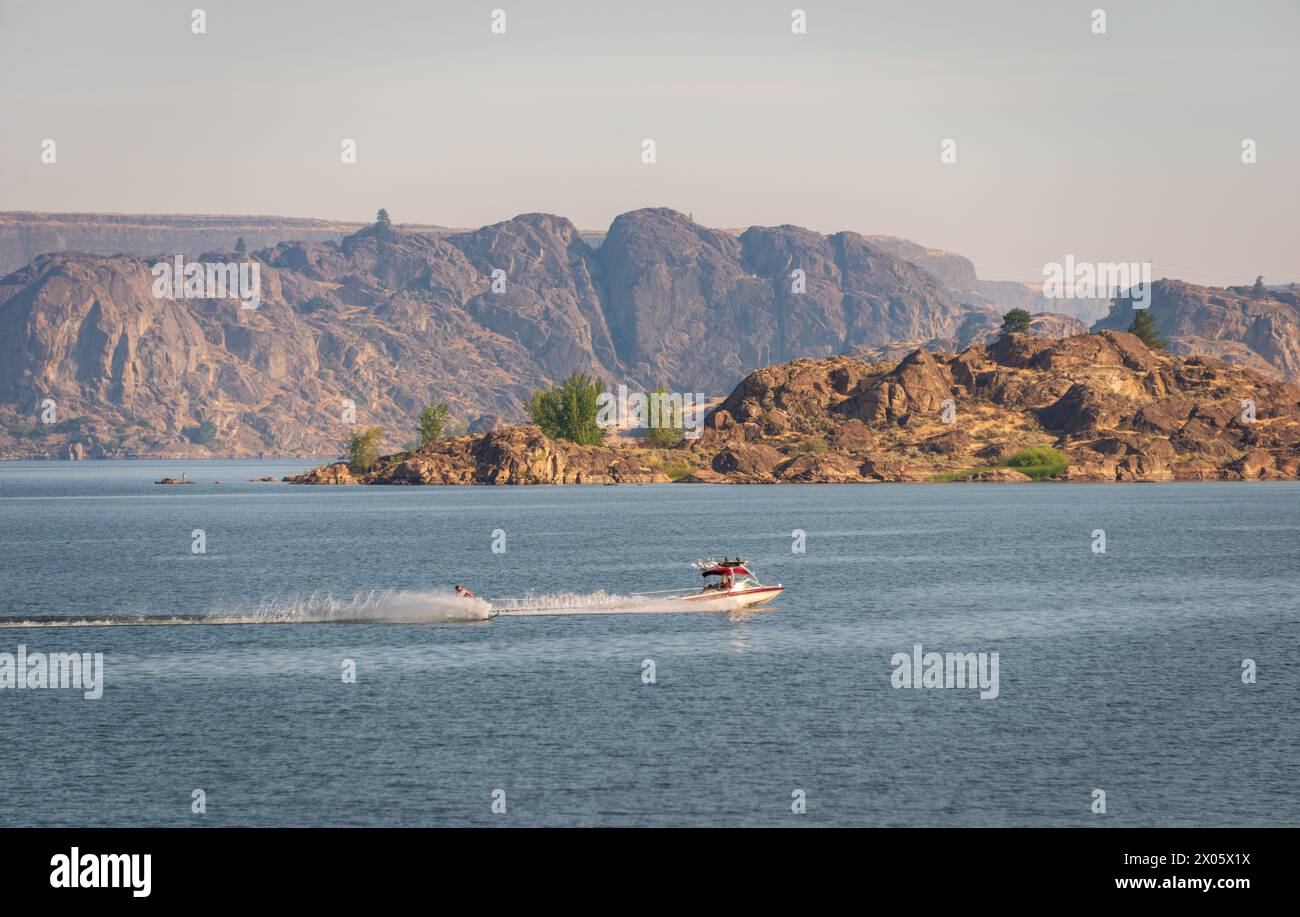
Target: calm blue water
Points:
(1118, 671)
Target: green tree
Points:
(671, 424)
(1258, 288)
(569, 410)
(363, 449)
(1144, 327)
(1015, 322)
(240, 246)
(382, 222)
(433, 421)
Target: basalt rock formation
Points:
(1116, 409)
(371, 329)
(1260, 330)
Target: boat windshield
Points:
(738, 581)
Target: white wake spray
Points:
(386, 606)
(377, 606)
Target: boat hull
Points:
(728, 601)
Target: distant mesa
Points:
(24, 235)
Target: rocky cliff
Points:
(1260, 330)
(386, 321)
(1115, 409)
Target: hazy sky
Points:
(1117, 147)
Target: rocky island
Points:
(1113, 408)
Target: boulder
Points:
(1084, 407)
(997, 475)
(747, 459)
(1164, 417)
(953, 442)
(919, 384)
(336, 473)
(823, 468)
(884, 469)
(1253, 465)
(850, 436)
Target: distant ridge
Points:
(25, 234)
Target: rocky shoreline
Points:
(1117, 410)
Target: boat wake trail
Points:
(378, 606)
(387, 606)
(591, 603)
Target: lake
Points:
(224, 671)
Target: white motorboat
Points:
(730, 584)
